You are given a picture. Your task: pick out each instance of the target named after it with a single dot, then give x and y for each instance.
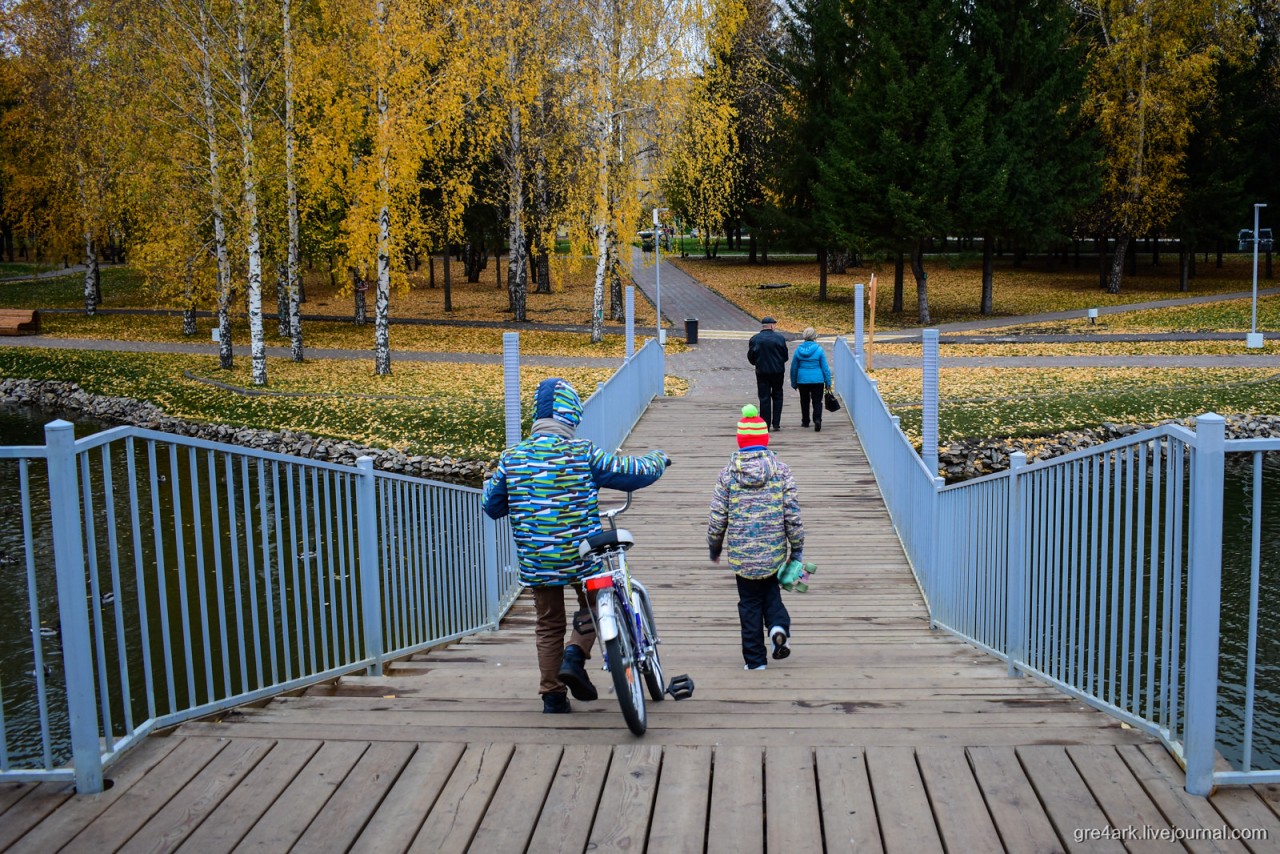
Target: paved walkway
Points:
(685, 297)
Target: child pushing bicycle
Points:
(755, 512)
(548, 483)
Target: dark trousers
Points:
(811, 393)
(769, 390)
(760, 608)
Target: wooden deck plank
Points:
(405, 807)
(242, 808)
(11, 793)
(1163, 782)
(463, 800)
(349, 809)
(1119, 794)
(793, 821)
(1066, 798)
(963, 820)
(848, 809)
(565, 823)
(184, 812)
(75, 814)
(680, 808)
(1012, 802)
(508, 824)
(128, 813)
(901, 801)
(736, 824)
(39, 803)
(305, 796)
(626, 802)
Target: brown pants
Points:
(548, 604)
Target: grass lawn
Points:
(18, 269)
(431, 409)
(1001, 402)
(955, 285)
(1225, 316)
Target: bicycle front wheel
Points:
(652, 664)
(625, 669)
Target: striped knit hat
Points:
(751, 429)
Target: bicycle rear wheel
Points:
(624, 667)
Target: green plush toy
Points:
(795, 575)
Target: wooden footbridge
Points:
(876, 734)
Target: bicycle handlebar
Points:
(608, 515)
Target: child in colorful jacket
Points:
(755, 508)
(548, 483)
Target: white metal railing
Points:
(1099, 572)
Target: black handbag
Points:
(829, 401)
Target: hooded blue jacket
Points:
(809, 365)
(549, 483)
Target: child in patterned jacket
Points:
(756, 510)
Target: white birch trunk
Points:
(601, 225)
(282, 301)
(517, 275)
(291, 188)
(253, 240)
(90, 268)
(382, 299)
(223, 262)
(189, 300)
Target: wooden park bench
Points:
(19, 321)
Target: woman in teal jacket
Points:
(811, 374)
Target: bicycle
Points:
(624, 623)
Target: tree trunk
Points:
(1184, 267)
(189, 300)
(282, 300)
(448, 281)
(223, 262)
(823, 261)
(431, 271)
(617, 305)
(898, 266)
(922, 283)
(988, 273)
(253, 241)
(294, 283)
(90, 264)
(359, 288)
(1117, 263)
(1103, 266)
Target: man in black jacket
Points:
(768, 352)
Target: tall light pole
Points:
(657, 276)
(1254, 339)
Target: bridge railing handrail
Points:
(295, 570)
(1099, 571)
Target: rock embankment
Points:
(64, 396)
(969, 458)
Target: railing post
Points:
(1204, 602)
(489, 531)
(934, 563)
(1015, 587)
(511, 385)
(929, 417)
(370, 571)
(73, 612)
(858, 322)
(631, 321)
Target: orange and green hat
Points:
(751, 429)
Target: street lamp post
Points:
(1254, 339)
(657, 276)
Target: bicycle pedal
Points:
(680, 687)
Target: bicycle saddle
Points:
(606, 540)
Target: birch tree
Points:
(1152, 66)
(291, 186)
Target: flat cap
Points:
(767, 319)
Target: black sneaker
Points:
(781, 645)
(573, 673)
(555, 704)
